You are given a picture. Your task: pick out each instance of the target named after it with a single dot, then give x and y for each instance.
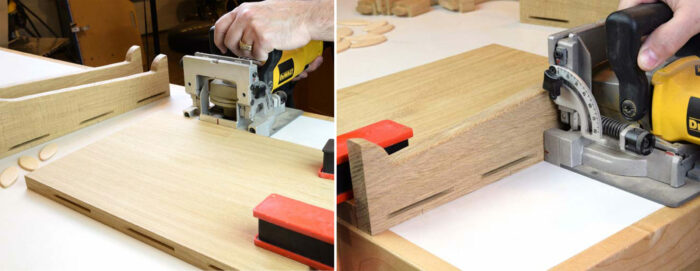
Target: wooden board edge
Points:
(667, 239)
(318, 116)
(387, 251)
(126, 227)
(130, 66)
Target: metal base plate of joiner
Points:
(652, 177)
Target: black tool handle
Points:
(625, 30)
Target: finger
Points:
(315, 64)
(666, 40)
(302, 75)
(233, 36)
(220, 30)
(248, 37)
(624, 4)
(261, 48)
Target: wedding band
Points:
(244, 46)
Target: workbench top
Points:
(38, 233)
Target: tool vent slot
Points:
(505, 166)
(96, 117)
(28, 142)
(150, 97)
(549, 19)
(151, 239)
(421, 202)
(72, 204)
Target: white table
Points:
(39, 234)
(536, 218)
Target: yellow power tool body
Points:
(281, 66)
(675, 113)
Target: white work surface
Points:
(39, 234)
(535, 219)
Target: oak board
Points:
(187, 187)
(668, 239)
(476, 117)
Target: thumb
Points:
(666, 40)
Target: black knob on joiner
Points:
(639, 141)
(258, 88)
(552, 82)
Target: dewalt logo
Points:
(693, 125)
(693, 117)
(286, 70)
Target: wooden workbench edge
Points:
(386, 251)
(318, 116)
(668, 239)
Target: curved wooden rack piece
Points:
(31, 120)
(130, 65)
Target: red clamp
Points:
(388, 134)
(296, 230)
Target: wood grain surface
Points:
(386, 251)
(477, 117)
(565, 13)
(458, 5)
(187, 187)
(668, 239)
(31, 120)
(112, 29)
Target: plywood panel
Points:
(112, 29)
(476, 117)
(187, 187)
(3, 24)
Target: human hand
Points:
(312, 67)
(668, 38)
(265, 25)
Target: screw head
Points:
(629, 109)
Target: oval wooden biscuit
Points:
(342, 45)
(344, 32)
(48, 151)
(9, 176)
(29, 163)
(372, 39)
(382, 29)
(365, 37)
(374, 25)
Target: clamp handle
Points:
(624, 31)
